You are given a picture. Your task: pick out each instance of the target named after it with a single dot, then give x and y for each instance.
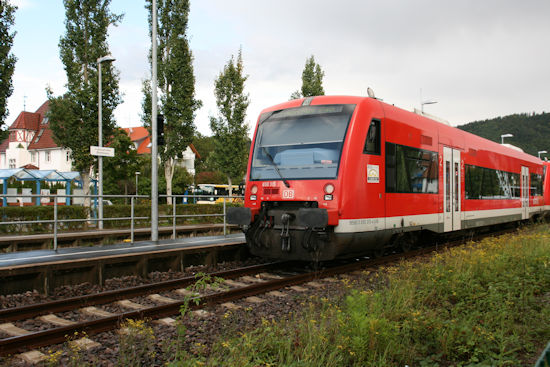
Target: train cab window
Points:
(372, 142)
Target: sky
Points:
(476, 59)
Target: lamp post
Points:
(137, 175)
(100, 60)
(426, 102)
(505, 136)
(541, 152)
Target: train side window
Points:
(372, 142)
(411, 170)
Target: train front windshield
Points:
(300, 143)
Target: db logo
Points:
(288, 194)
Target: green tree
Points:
(74, 115)
(312, 80)
(176, 82)
(7, 59)
(123, 166)
(230, 130)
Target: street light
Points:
(137, 174)
(426, 102)
(505, 136)
(541, 152)
(101, 60)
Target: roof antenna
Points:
(24, 103)
(370, 93)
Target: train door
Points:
(524, 192)
(451, 190)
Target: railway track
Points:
(238, 284)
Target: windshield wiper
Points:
(275, 166)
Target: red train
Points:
(334, 176)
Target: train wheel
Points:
(378, 253)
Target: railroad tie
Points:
(277, 294)
(85, 343)
(232, 283)
(250, 279)
(168, 321)
(161, 299)
(12, 330)
(94, 311)
(201, 313)
(129, 304)
(187, 293)
(270, 276)
(315, 285)
(55, 320)
(231, 306)
(297, 288)
(254, 299)
(33, 357)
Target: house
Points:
(142, 142)
(30, 142)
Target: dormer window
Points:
(45, 120)
(39, 135)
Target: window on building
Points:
(33, 157)
(12, 163)
(47, 156)
(372, 142)
(68, 156)
(39, 135)
(411, 170)
(486, 183)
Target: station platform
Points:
(44, 270)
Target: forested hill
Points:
(531, 131)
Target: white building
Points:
(30, 144)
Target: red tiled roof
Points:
(141, 136)
(136, 133)
(45, 141)
(145, 146)
(4, 145)
(26, 121)
(30, 166)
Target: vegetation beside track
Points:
(482, 304)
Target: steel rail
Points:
(67, 304)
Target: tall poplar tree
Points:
(74, 116)
(312, 80)
(176, 82)
(7, 59)
(229, 128)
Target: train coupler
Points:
(285, 231)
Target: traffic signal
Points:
(160, 129)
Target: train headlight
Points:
(254, 189)
(329, 189)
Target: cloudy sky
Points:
(477, 58)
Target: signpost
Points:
(102, 151)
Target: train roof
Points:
(420, 121)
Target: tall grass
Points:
(483, 304)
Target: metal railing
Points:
(58, 200)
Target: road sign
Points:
(102, 151)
